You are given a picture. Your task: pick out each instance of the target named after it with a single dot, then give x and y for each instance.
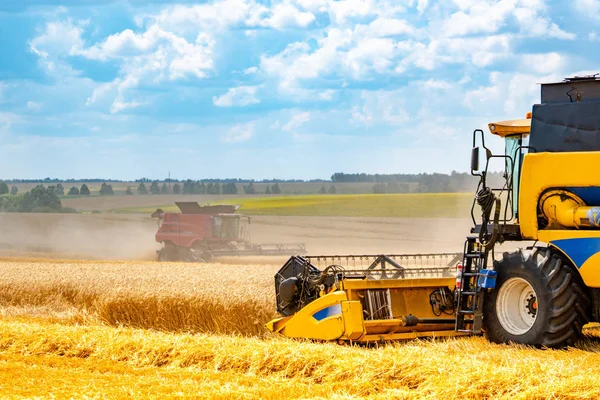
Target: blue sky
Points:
(273, 89)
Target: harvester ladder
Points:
(469, 316)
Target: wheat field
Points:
(72, 329)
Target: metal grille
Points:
(393, 266)
(377, 304)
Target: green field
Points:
(424, 205)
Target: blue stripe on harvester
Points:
(589, 194)
(578, 250)
(330, 311)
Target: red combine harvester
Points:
(200, 233)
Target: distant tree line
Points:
(382, 183)
(420, 183)
(39, 199)
(166, 180)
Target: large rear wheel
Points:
(539, 300)
(168, 253)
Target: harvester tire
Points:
(539, 300)
(195, 256)
(168, 253)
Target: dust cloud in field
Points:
(129, 237)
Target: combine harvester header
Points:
(366, 304)
(538, 295)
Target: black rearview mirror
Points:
(475, 159)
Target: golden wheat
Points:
(165, 296)
(279, 368)
(55, 342)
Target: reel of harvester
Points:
(366, 298)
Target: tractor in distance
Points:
(540, 294)
(200, 233)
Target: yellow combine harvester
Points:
(539, 295)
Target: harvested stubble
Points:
(273, 368)
(164, 296)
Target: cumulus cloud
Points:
(232, 13)
(238, 96)
(297, 121)
(544, 63)
(360, 42)
(285, 15)
(589, 8)
(163, 53)
(512, 93)
(239, 133)
(382, 106)
(59, 38)
(488, 17)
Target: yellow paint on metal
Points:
(544, 171)
(590, 271)
(564, 209)
(354, 284)
(304, 325)
(410, 335)
(510, 127)
(353, 320)
(406, 296)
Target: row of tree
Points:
(168, 180)
(198, 187)
(4, 189)
(422, 183)
(38, 199)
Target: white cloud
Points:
(176, 43)
(546, 63)
(34, 106)
(478, 17)
(285, 15)
(488, 17)
(238, 96)
(382, 106)
(535, 25)
(56, 41)
(297, 121)
(101, 91)
(589, 8)
(383, 26)
(149, 58)
(250, 70)
(119, 106)
(59, 38)
(344, 10)
(422, 5)
(436, 84)
(221, 15)
(313, 5)
(239, 133)
(370, 55)
(358, 53)
(163, 53)
(326, 95)
(513, 93)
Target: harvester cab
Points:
(541, 294)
